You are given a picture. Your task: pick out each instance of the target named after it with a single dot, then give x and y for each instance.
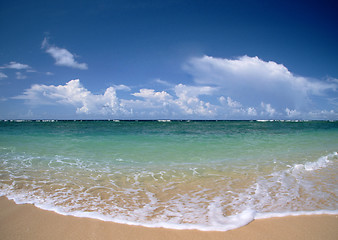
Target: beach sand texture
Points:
(28, 222)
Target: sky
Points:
(177, 59)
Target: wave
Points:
(322, 162)
(297, 189)
(219, 223)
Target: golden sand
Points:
(28, 222)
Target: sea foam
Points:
(274, 191)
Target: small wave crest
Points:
(322, 162)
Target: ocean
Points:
(205, 175)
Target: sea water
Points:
(206, 175)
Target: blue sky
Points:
(188, 59)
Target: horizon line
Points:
(165, 120)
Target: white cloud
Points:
(222, 100)
(292, 113)
(151, 104)
(162, 82)
(2, 75)
(122, 87)
(186, 92)
(246, 88)
(148, 104)
(189, 102)
(234, 110)
(19, 75)
(62, 56)
(267, 109)
(252, 111)
(15, 65)
(252, 80)
(72, 93)
(152, 95)
(185, 104)
(321, 114)
(233, 104)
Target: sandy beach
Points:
(28, 222)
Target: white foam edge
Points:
(228, 223)
(321, 162)
(295, 213)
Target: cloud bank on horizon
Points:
(221, 88)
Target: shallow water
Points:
(203, 175)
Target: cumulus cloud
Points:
(233, 104)
(292, 113)
(268, 109)
(232, 109)
(152, 95)
(62, 56)
(72, 93)
(244, 88)
(184, 103)
(148, 103)
(186, 92)
(252, 111)
(189, 101)
(252, 80)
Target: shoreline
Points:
(25, 221)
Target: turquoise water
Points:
(207, 175)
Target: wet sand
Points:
(28, 222)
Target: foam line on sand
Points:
(28, 222)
